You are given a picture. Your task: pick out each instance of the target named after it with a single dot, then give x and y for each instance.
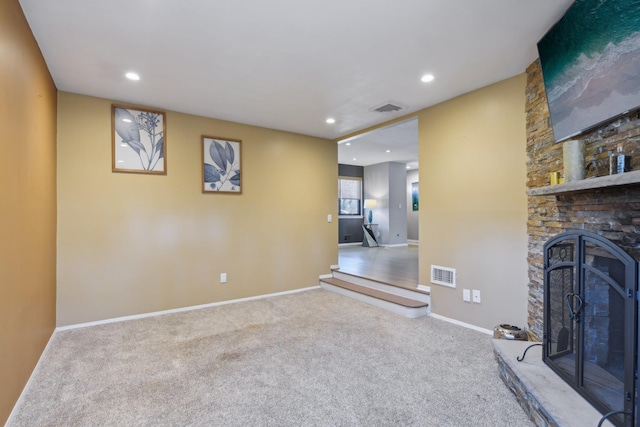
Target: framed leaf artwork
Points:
(221, 165)
(138, 140)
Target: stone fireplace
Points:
(590, 319)
(609, 211)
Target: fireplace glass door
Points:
(590, 318)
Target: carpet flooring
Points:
(308, 359)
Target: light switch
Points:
(476, 296)
(329, 218)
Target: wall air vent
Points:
(388, 108)
(443, 276)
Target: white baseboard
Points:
(350, 244)
(335, 267)
(413, 242)
(459, 323)
(33, 373)
(180, 310)
(325, 276)
(397, 245)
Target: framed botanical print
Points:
(138, 138)
(221, 165)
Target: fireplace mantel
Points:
(597, 183)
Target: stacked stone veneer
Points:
(612, 213)
(525, 396)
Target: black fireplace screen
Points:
(590, 320)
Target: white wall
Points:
(397, 204)
(385, 182)
(376, 186)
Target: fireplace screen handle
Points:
(574, 313)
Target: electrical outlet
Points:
(466, 295)
(476, 296)
(223, 277)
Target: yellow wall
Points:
(134, 243)
(27, 204)
(473, 209)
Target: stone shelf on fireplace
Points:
(597, 183)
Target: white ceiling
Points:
(287, 64)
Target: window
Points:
(349, 196)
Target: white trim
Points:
(459, 323)
(410, 117)
(334, 267)
(397, 245)
(413, 242)
(182, 309)
(325, 276)
(424, 288)
(350, 244)
(26, 386)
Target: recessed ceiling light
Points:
(355, 158)
(408, 167)
(331, 120)
(388, 151)
(427, 78)
(132, 76)
(126, 120)
(348, 143)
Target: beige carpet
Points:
(308, 359)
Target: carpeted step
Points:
(386, 296)
(412, 293)
(402, 306)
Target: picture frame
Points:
(415, 197)
(138, 140)
(221, 165)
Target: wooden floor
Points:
(396, 265)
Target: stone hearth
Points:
(543, 395)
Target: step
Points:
(412, 293)
(394, 303)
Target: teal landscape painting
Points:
(591, 64)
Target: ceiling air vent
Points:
(388, 108)
(443, 276)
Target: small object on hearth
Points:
(554, 178)
(623, 161)
(573, 159)
(510, 332)
(613, 163)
